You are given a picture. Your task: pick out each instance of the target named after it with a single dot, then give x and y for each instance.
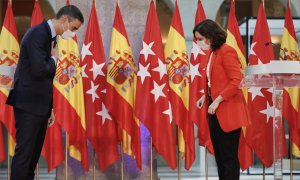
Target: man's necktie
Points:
(54, 40)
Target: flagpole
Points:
(94, 165)
(263, 1)
(8, 157)
(179, 162)
(206, 164)
(151, 149)
(151, 160)
(66, 155)
(264, 172)
(291, 156)
(122, 162)
(37, 171)
(94, 155)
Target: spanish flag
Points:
(9, 55)
(68, 100)
(234, 39)
(179, 82)
(291, 96)
(121, 85)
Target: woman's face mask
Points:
(202, 41)
(203, 45)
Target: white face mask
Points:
(203, 45)
(68, 33)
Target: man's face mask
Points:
(67, 34)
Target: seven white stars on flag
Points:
(255, 91)
(143, 72)
(97, 71)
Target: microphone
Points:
(284, 54)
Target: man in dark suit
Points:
(32, 94)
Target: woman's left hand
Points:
(214, 105)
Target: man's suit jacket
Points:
(33, 86)
(225, 78)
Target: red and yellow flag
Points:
(68, 100)
(234, 39)
(53, 150)
(178, 71)
(198, 86)
(152, 105)
(121, 85)
(101, 129)
(9, 55)
(291, 96)
(260, 133)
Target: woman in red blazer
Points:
(227, 110)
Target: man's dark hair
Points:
(71, 11)
(212, 31)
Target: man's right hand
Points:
(54, 50)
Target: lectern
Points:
(276, 75)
